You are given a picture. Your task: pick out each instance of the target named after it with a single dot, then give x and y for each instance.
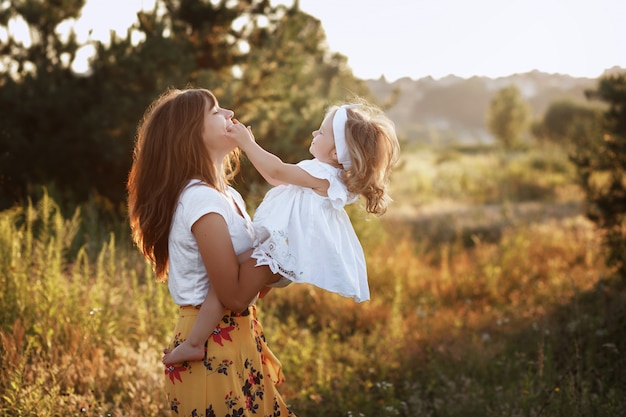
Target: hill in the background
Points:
(454, 109)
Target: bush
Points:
(601, 164)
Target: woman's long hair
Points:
(169, 151)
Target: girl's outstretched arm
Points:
(273, 169)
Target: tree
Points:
(76, 131)
(286, 85)
(567, 122)
(279, 77)
(602, 170)
(508, 117)
(39, 98)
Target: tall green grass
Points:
(430, 175)
(529, 324)
(80, 333)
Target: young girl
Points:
(303, 231)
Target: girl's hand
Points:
(240, 133)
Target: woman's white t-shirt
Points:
(188, 280)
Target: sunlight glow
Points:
(81, 61)
(19, 29)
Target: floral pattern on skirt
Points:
(237, 377)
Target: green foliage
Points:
(508, 117)
(286, 85)
(70, 131)
(571, 125)
(602, 170)
(477, 177)
(66, 319)
(75, 132)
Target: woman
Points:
(192, 226)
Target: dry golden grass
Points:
(472, 314)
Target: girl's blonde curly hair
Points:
(374, 150)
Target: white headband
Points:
(339, 131)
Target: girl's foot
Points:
(183, 353)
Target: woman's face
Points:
(216, 121)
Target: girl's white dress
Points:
(308, 238)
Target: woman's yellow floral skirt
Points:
(237, 377)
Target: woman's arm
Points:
(235, 285)
(273, 169)
(209, 316)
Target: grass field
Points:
(489, 298)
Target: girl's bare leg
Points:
(192, 348)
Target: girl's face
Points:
(323, 144)
(216, 121)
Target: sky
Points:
(420, 38)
